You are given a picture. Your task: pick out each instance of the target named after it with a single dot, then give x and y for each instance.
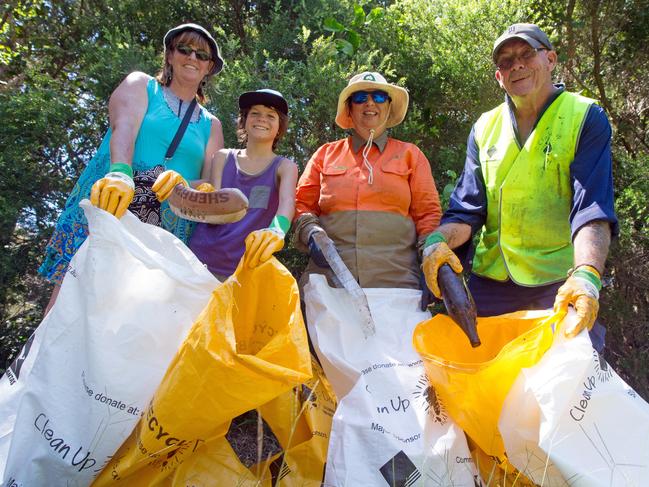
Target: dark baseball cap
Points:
(216, 52)
(266, 97)
(530, 33)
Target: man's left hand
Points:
(581, 290)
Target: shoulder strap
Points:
(181, 130)
(277, 161)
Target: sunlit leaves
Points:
(349, 37)
(344, 46)
(332, 25)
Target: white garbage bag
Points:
(571, 420)
(389, 427)
(130, 295)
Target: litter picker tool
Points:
(346, 280)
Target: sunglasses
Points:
(505, 63)
(378, 96)
(186, 50)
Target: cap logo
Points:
(369, 77)
(512, 28)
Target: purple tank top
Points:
(220, 247)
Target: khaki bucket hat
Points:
(372, 81)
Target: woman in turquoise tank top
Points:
(145, 115)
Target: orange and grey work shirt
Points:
(375, 226)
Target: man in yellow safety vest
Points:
(537, 187)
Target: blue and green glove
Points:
(262, 244)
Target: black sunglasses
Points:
(201, 54)
(505, 63)
(378, 96)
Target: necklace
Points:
(178, 106)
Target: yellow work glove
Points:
(165, 184)
(437, 253)
(205, 188)
(262, 244)
(581, 290)
(114, 192)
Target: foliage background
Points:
(61, 59)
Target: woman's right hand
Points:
(113, 193)
(165, 184)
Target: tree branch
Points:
(594, 7)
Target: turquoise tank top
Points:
(157, 131)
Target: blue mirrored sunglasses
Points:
(378, 96)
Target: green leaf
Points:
(306, 32)
(375, 14)
(448, 191)
(332, 25)
(359, 16)
(344, 46)
(354, 39)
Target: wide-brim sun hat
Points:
(266, 97)
(530, 33)
(216, 51)
(372, 81)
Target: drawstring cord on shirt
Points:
(368, 146)
(366, 162)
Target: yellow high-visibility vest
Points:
(526, 237)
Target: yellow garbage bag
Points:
(248, 346)
(300, 419)
(473, 382)
(216, 464)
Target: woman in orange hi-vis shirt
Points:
(373, 195)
